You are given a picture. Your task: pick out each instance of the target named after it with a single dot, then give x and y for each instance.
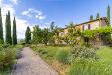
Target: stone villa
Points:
(93, 24)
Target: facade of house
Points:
(90, 25)
(93, 24)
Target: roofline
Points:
(102, 18)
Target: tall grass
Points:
(63, 56)
(90, 67)
(83, 60)
(7, 58)
(105, 54)
(48, 52)
(55, 56)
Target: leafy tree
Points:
(91, 17)
(1, 29)
(97, 16)
(73, 35)
(108, 14)
(28, 35)
(8, 29)
(45, 36)
(40, 36)
(66, 38)
(37, 35)
(57, 38)
(70, 34)
(53, 29)
(14, 32)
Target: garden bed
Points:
(77, 60)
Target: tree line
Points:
(10, 37)
(39, 35)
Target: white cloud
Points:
(36, 16)
(41, 17)
(1, 2)
(31, 10)
(25, 13)
(38, 12)
(14, 1)
(34, 13)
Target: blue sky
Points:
(62, 12)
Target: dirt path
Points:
(31, 64)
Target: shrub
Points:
(5, 45)
(7, 57)
(62, 56)
(90, 67)
(1, 41)
(1, 47)
(83, 52)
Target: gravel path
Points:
(31, 64)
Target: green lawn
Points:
(105, 53)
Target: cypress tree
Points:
(28, 35)
(108, 18)
(97, 16)
(108, 14)
(14, 39)
(8, 29)
(91, 17)
(1, 29)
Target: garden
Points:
(77, 60)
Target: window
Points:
(86, 26)
(89, 26)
